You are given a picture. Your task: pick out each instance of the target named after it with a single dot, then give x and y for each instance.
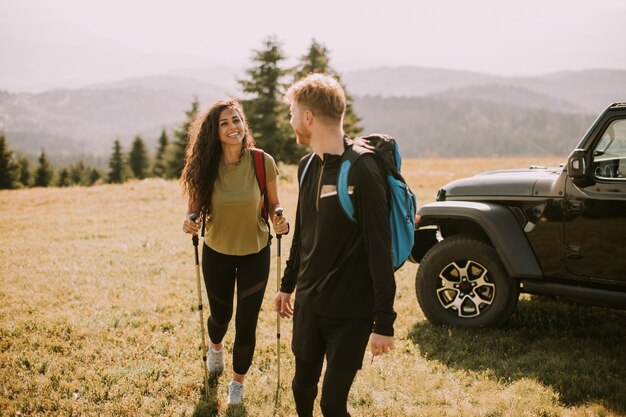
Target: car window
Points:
(609, 156)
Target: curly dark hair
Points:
(204, 150)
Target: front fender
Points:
(498, 223)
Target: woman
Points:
(219, 182)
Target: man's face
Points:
(299, 125)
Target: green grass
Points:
(576, 350)
(98, 318)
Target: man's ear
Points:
(308, 117)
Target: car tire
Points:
(462, 282)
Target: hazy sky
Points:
(61, 43)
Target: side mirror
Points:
(576, 165)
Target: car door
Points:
(595, 215)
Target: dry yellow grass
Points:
(97, 315)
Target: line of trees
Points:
(267, 113)
(16, 171)
(167, 163)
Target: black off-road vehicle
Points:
(558, 231)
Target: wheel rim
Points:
(466, 289)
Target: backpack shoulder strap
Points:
(350, 155)
(258, 163)
(306, 167)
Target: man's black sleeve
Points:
(372, 214)
(290, 276)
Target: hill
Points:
(588, 91)
(592, 89)
(88, 120)
(433, 111)
(511, 95)
(459, 127)
(411, 81)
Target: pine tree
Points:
(176, 154)
(119, 169)
(78, 174)
(64, 178)
(317, 60)
(94, 175)
(138, 159)
(44, 174)
(9, 170)
(268, 115)
(160, 162)
(25, 174)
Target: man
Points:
(343, 270)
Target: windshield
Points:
(610, 153)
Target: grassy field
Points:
(98, 318)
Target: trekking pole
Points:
(279, 213)
(194, 239)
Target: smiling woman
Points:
(221, 182)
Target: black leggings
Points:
(335, 389)
(220, 273)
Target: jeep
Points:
(556, 231)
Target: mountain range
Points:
(431, 111)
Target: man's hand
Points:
(380, 344)
(282, 305)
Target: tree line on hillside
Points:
(268, 117)
(451, 127)
(16, 171)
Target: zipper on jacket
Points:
(319, 185)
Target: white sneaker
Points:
(215, 360)
(235, 393)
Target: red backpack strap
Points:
(258, 163)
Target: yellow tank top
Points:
(235, 225)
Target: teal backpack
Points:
(402, 202)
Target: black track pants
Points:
(335, 389)
(250, 272)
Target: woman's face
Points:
(230, 127)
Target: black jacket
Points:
(342, 269)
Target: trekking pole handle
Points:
(194, 238)
(279, 213)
